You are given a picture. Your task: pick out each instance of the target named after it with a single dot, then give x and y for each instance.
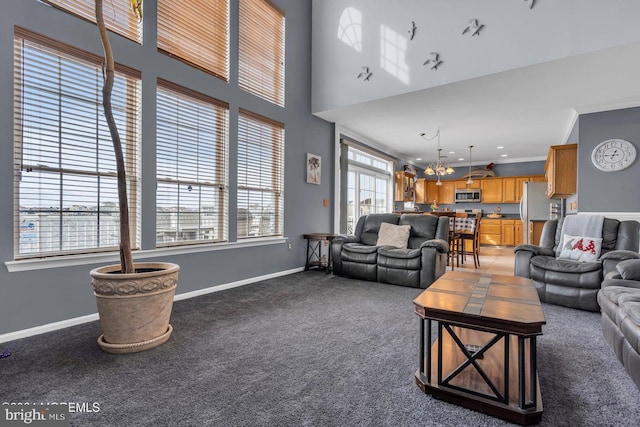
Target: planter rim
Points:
(107, 271)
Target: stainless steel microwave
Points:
(468, 195)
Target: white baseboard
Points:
(50, 327)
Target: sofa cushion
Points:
(423, 228)
(629, 269)
(371, 226)
(393, 235)
(564, 265)
(399, 253)
(610, 233)
(357, 252)
(399, 259)
(630, 304)
(578, 248)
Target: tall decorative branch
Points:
(126, 258)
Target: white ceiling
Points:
(524, 110)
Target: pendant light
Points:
(469, 180)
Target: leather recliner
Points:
(419, 265)
(619, 300)
(569, 282)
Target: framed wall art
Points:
(313, 169)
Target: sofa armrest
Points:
(523, 255)
(611, 259)
(336, 250)
(615, 279)
(440, 245)
(535, 250)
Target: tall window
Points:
(118, 15)
(196, 33)
(368, 186)
(66, 198)
(260, 176)
(261, 50)
(191, 162)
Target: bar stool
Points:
(469, 231)
(456, 247)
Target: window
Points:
(260, 176)
(261, 50)
(66, 199)
(368, 186)
(196, 33)
(118, 15)
(191, 163)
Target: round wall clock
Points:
(613, 155)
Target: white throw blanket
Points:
(584, 225)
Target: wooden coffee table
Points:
(484, 355)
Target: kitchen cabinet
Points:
(421, 190)
(535, 231)
(490, 232)
(510, 189)
(405, 186)
(517, 193)
(517, 229)
(506, 232)
(561, 170)
(462, 184)
(426, 191)
(507, 229)
(492, 190)
(446, 193)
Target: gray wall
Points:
(38, 297)
(600, 191)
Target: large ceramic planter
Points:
(134, 308)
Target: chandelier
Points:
(437, 168)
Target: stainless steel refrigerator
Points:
(535, 205)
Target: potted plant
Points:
(134, 300)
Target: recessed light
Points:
(504, 155)
(452, 152)
(499, 147)
(419, 158)
(461, 159)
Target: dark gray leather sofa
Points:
(424, 260)
(619, 301)
(568, 282)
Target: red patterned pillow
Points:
(578, 248)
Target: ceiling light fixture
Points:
(469, 180)
(437, 168)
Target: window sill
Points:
(113, 257)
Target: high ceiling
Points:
(524, 110)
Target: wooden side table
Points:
(315, 258)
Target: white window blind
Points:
(65, 186)
(191, 162)
(261, 50)
(196, 33)
(260, 176)
(118, 15)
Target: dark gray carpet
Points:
(307, 349)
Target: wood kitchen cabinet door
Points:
(510, 190)
(492, 190)
(446, 192)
